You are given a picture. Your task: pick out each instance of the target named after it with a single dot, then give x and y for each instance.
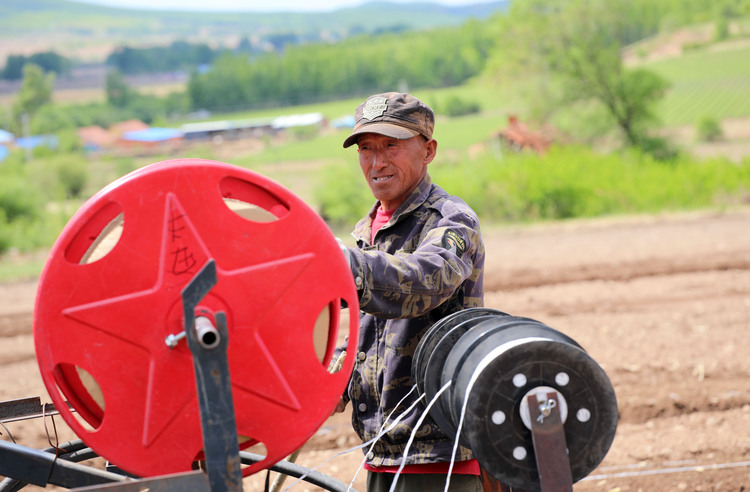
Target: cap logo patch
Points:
(374, 107)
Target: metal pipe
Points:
(207, 334)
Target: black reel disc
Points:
(462, 352)
(435, 333)
(505, 366)
(485, 338)
(433, 368)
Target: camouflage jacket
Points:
(426, 263)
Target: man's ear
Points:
(430, 151)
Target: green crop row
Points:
(705, 83)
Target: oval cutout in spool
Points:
(251, 201)
(249, 211)
(99, 233)
(83, 393)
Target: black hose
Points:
(298, 471)
(76, 451)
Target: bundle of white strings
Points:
(384, 430)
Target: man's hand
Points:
(345, 250)
(340, 406)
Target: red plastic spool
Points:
(102, 315)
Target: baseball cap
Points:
(393, 114)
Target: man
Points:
(419, 258)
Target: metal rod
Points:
(26, 408)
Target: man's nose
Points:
(379, 160)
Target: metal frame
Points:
(57, 466)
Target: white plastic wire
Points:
(381, 432)
(414, 433)
(455, 443)
(368, 443)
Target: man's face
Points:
(393, 167)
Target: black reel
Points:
(432, 351)
(494, 361)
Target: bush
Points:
(17, 201)
(19, 205)
(572, 182)
(709, 129)
(659, 148)
(72, 174)
(455, 106)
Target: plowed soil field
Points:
(661, 302)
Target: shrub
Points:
(16, 199)
(709, 129)
(573, 181)
(19, 205)
(72, 174)
(455, 106)
(659, 148)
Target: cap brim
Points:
(387, 129)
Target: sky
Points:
(256, 5)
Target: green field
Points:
(713, 83)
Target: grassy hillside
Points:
(710, 82)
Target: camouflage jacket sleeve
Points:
(420, 258)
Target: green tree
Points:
(50, 61)
(577, 44)
(14, 67)
(51, 118)
(311, 72)
(36, 91)
(118, 91)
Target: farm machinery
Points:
(187, 322)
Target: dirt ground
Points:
(661, 302)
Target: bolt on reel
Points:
(509, 378)
(110, 330)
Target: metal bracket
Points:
(550, 450)
(214, 386)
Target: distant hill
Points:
(66, 20)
